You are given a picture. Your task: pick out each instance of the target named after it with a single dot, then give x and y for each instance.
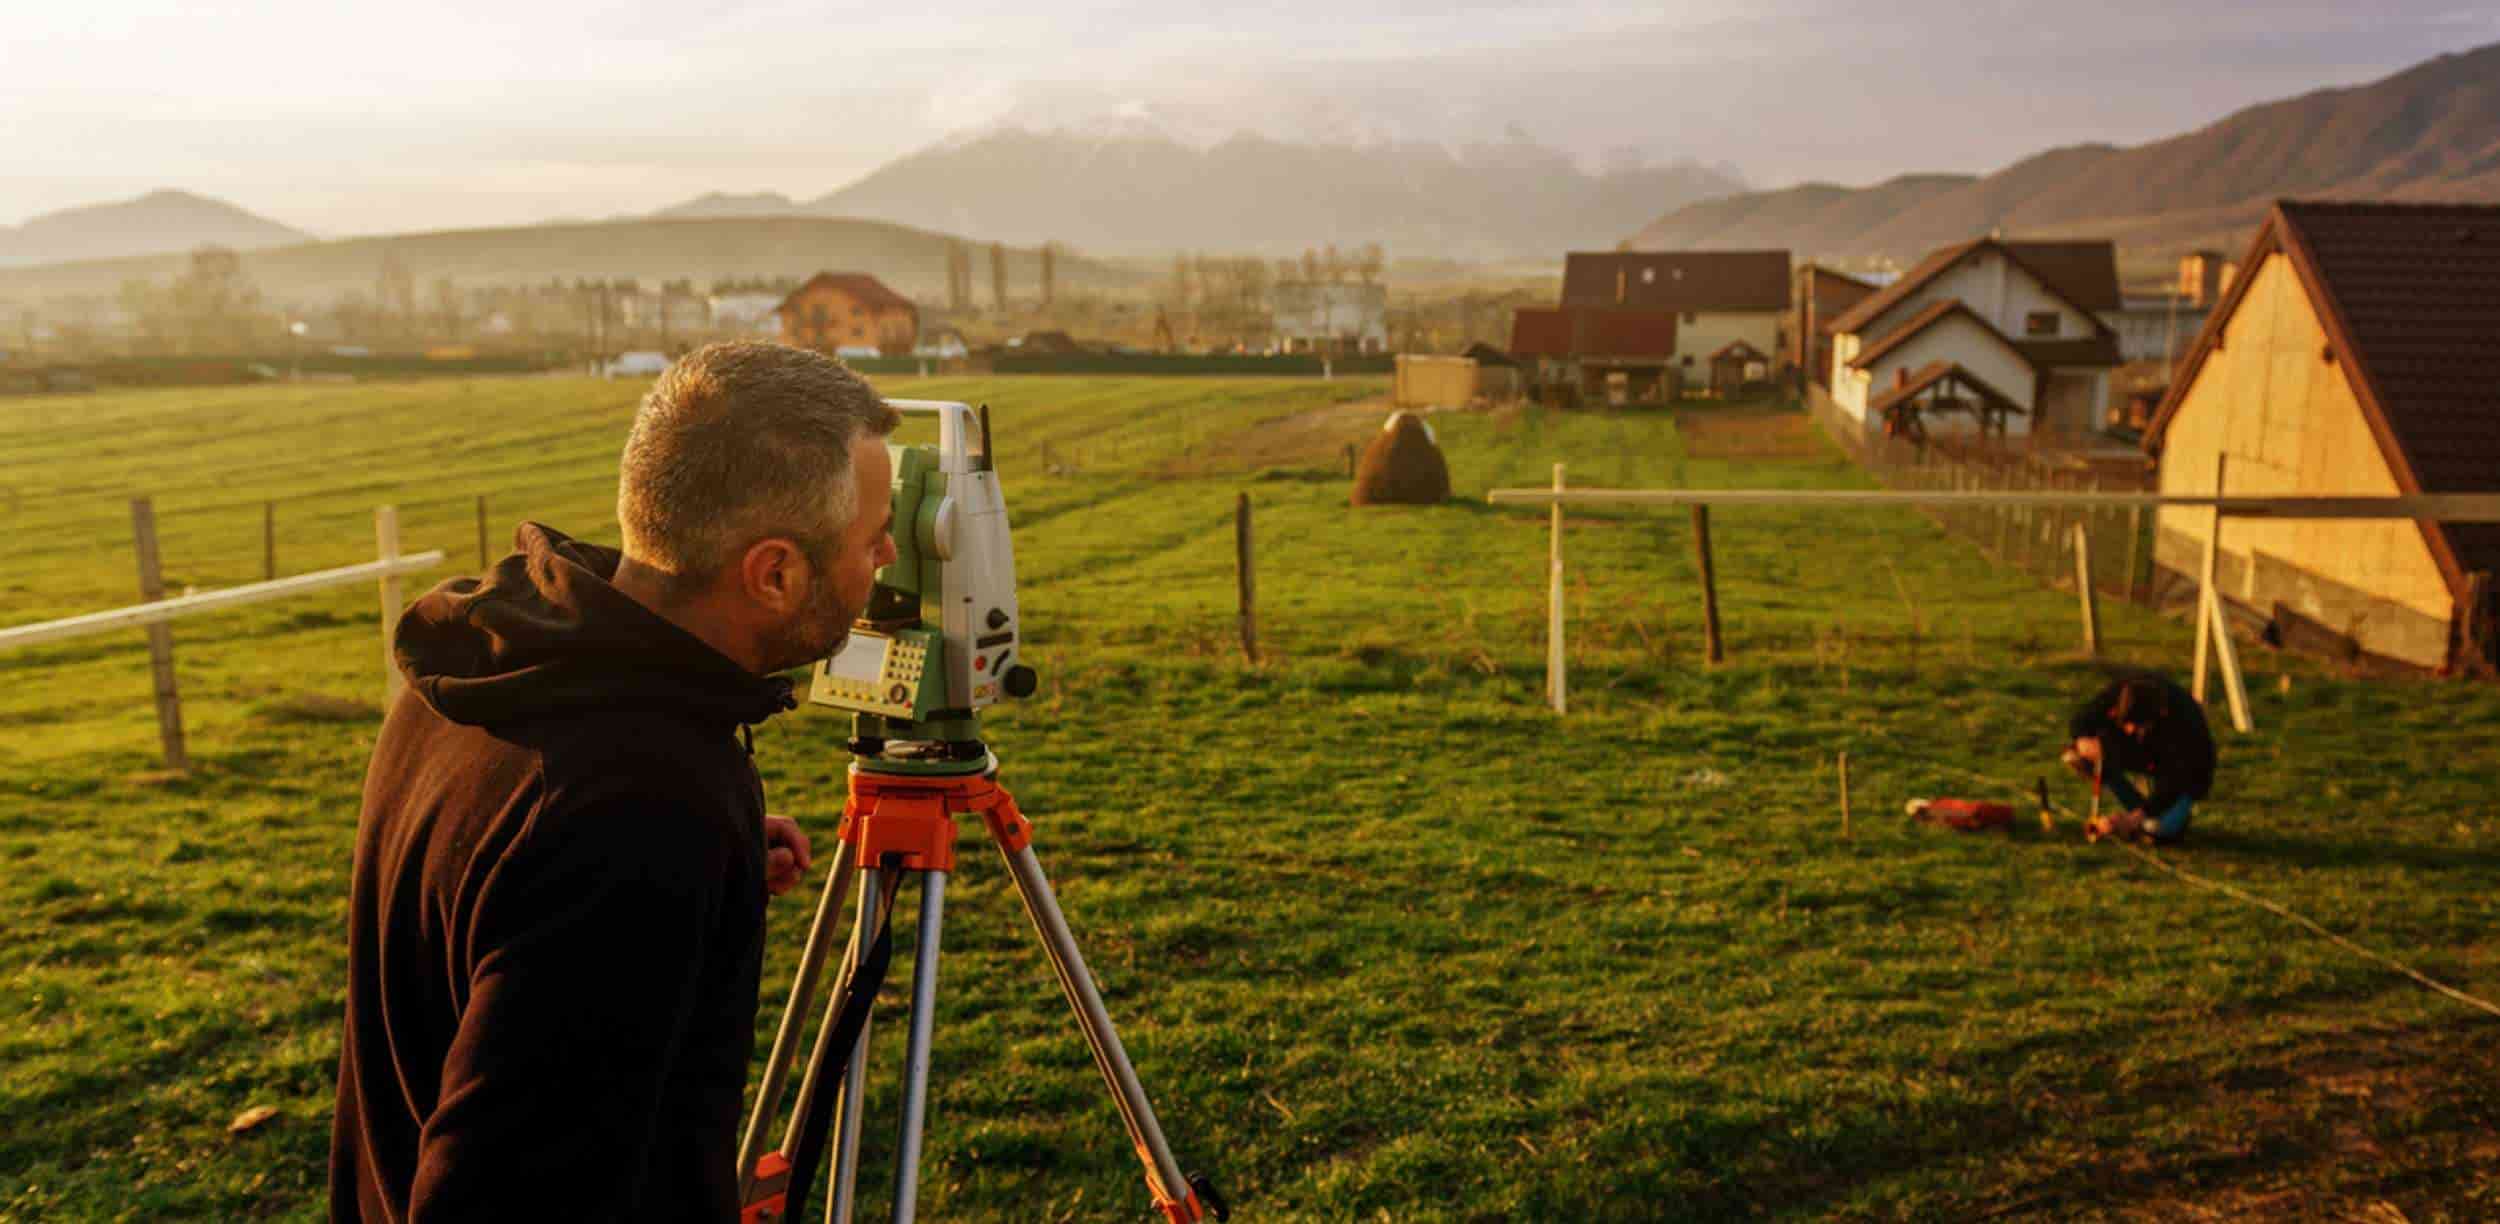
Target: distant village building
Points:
(2358, 352)
(941, 344)
(1821, 295)
(2023, 320)
(848, 312)
(746, 313)
(1330, 316)
(1050, 343)
(1717, 298)
(1599, 354)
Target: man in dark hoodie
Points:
(555, 928)
(2145, 725)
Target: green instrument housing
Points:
(893, 669)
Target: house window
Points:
(1688, 318)
(819, 315)
(2040, 323)
(1688, 359)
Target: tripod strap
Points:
(859, 994)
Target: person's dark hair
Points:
(739, 442)
(2140, 700)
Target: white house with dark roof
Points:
(2028, 320)
(1731, 307)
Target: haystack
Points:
(1402, 466)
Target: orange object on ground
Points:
(1963, 815)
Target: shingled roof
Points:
(2085, 274)
(868, 289)
(2409, 296)
(1928, 316)
(1593, 331)
(1693, 281)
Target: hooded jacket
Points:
(2177, 750)
(555, 926)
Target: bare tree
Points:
(1369, 262)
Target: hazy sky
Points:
(366, 118)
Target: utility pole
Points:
(998, 276)
(1050, 261)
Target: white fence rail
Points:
(157, 613)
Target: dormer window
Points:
(2040, 323)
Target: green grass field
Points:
(1387, 939)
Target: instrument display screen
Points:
(861, 659)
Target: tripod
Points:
(900, 819)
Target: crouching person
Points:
(2145, 725)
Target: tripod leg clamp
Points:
(771, 1193)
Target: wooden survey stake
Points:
(160, 636)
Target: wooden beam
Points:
(2443, 507)
(1713, 649)
(1244, 563)
(2205, 620)
(1555, 684)
(210, 601)
(386, 540)
(2234, 685)
(160, 636)
(2086, 592)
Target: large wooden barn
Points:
(2358, 351)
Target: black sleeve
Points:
(587, 953)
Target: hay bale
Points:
(1402, 466)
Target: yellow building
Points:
(2357, 352)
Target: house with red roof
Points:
(2357, 351)
(849, 313)
(2028, 321)
(1730, 308)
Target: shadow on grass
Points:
(2298, 851)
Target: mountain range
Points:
(700, 249)
(2431, 132)
(1132, 191)
(160, 221)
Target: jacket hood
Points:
(545, 633)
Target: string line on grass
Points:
(2275, 907)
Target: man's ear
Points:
(774, 575)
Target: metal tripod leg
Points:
(820, 936)
(924, 979)
(1163, 1173)
(854, 1077)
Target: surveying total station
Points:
(939, 642)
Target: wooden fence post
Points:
(1555, 684)
(269, 541)
(1249, 581)
(2205, 620)
(1845, 833)
(484, 559)
(2213, 631)
(386, 538)
(160, 636)
(2135, 542)
(2085, 591)
(1712, 648)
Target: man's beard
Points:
(816, 630)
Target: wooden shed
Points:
(2357, 352)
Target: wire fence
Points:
(2041, 541)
